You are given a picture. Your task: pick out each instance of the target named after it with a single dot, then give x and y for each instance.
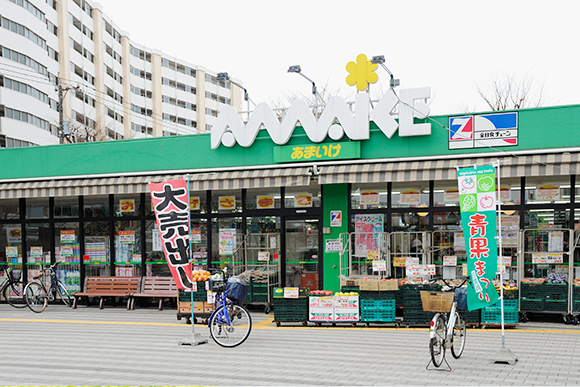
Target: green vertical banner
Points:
(477, 200)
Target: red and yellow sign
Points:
(264, 201)
(194, 203)
(369, 197)
(548, 192)
(303, 200)
(452, 195)
(410, 196)
(227, 202)
(127, 205)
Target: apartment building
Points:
(110, 86)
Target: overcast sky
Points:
(450, 46)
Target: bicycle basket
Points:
(237, 290)
(217, 285)
(15, 275)
(437, 301)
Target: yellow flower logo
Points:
(362, 72)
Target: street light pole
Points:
(226, 77)
(61, 94)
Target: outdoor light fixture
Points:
(226, 77)
(380, 59)
(296, 69)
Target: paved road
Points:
(88, 346)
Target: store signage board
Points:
(195, 236)
(291, 292)
(333, 246)
(419, 271)
(368, 229)
(12, 251)
(336, 218)
(309, 152)
(483, 130)
(547, 258)
(548, 192)
(556, 241)
(372, 255)
(227, 241)
(450, 260)
(399, 261)
(36, 253)
(477, 201)
(502, 263)
(194, 203)
(127, 205)
(263, 256)
(156, 240)
(336, 121)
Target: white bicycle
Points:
(448, 327)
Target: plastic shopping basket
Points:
(437, 301)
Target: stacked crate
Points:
(492, 314)
(533, 296)
(556, 296)
(412, 306)
(291, 309)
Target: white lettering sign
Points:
(229, 128)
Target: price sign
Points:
(450, 260)
(127, 236)
(263, 256)
(379, 265)
(372, 254)
(291, 292)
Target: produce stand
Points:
(289, 309)
(202, 308)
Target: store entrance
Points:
(302, 253)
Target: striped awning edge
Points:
(555, 164)
(224, 180)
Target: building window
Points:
(21, 30)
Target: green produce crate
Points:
(377, 305)
(507, 304)
(532, 304)
(290, 309)
(576, 306)
(510, 293)
(493, 316)
(259, 297)
(556, 306)
(556, 291)
(533, 291)
(384, 295)
(348, 289)
(473, 317)
(375, 315)
(200, 295)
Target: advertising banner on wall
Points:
(478, 217)
(367, 229)
(170, 203)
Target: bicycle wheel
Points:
(437, 342)
(458, 337)
(36, 297)
(13, 294)
(233, 333)
(63, 294)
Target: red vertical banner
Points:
(170, 203)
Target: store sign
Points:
(227, 241)
(419, 271)
(194, 203)
(505, 193)
(547, 258)
(478, 217)
(372, 255)
(369, 199)
(195, 236)
(127, 205)
(502, 263)
(67, 236)
(484, 130)
(264, 201)
(399, 261)
(336, 218)
(410, 196)
(127, 236)
(36, 253)
(379, 265)
(451, 195)
(450, 260)
(13, 235)
(336, 121)
(263, 256)
(548, 192)
(367, 230)
(170, 202)
(308, 152)
(333, 246)
(226, 202)
(303, 200)
(12, 251)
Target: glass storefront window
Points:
(547, 219)
(409, 221)
(262, 199)
(154, 258)
(96, 206)
(226, 201)
(198, 202)
(369, 196)
(226, 238)
(37, 208)
(445, 193)
(447, 221)
(199, 243)
(11, 240)
(410, 194)
(302, 251)
(511, 191)
(127, 248)
(303, 197)
(67, 207)
(548, 190)
(97, 248)
(127, 205)
(66, 241)
(10, 209)
(38, 242)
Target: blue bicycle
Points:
(230, 323)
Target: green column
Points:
(335, 197)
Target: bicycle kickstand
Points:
(437, 368)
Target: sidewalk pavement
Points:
(113, 346)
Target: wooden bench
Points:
(156, 287)
(104, 287)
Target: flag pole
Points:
(195, 339)
(503, 355)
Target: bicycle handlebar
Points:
(453, 287)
